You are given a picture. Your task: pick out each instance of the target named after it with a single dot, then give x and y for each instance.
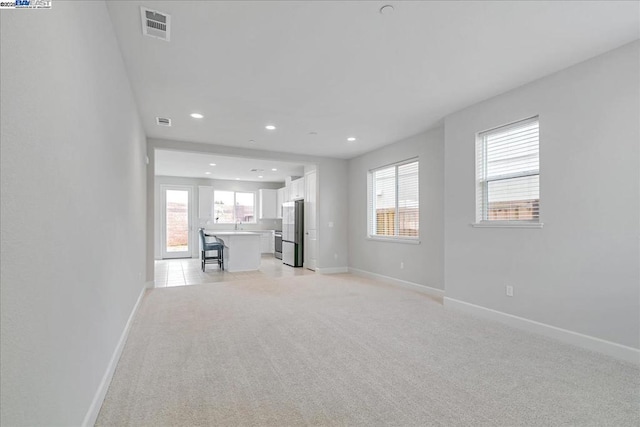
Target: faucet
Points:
(238, 222)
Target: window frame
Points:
(370, 204)
(483, 181)
(235, 220)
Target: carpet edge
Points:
(398, 282)
(608, 348)
(96, 404)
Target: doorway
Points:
(176, 221)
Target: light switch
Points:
(330, 224)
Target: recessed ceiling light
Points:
(237, 178)
(387, 9)
(259, 176)
(251, 141)
(197, 115)
(313, 133)
(212, 164)
(274, 169)
(351, 139)
(207, 173)
(270, 127)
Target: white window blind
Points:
(230, 207)
(508, 173)
(394, 208)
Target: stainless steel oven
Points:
(278, 244)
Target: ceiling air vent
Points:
(155, 24)
(163, 121)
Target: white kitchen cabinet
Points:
(287, 192)
(241, 249)
(268, 203)
(267, 242)
(205, 200)
(280, 199)
(297, 189)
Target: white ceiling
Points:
(195, 165)
(343, 69)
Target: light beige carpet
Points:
(342, 350)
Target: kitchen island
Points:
(241, 249)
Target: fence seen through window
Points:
(394, 208)
(508, 173)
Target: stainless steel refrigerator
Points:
(292, 233)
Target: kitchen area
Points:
(245, 245)
(260, 210)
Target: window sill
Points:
(394, 240)
(507, 224)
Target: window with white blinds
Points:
(508, 173)
(394, 207)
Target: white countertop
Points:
(231, 233)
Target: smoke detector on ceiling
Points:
(387, 9)
(155, 24)
(163, 121)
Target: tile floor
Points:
(187, 271)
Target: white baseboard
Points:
(92, 415)
(403, 283)
(618, 351)
(332, 270)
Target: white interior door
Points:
(176, 221)
(310, 221)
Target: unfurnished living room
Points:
(320, 213)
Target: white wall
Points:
(73, 209)
(332, 196)
(217, 184)
(581, 271)
(423, 263)
(333, 214)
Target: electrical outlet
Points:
(401, 265)
(509, 290)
